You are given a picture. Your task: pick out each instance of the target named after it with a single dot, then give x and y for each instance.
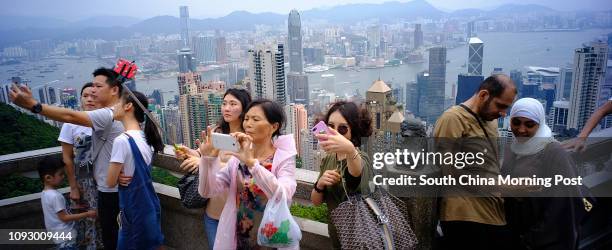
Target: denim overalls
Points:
(140, 216)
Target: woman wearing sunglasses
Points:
(344, 161)
(547, 221)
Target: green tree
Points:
(23, 132)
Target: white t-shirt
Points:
(122, 152)
(80, 138)
(53, 202)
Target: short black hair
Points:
(111, 77)
(358, 119)
(87, 85)
(494, 85)
(273, 111)
(49, 166)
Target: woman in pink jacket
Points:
(266, 160)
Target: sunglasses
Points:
(342, 129)
(528, 124)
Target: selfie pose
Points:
(346, 125)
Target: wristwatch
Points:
(317, 189)
(37, 108)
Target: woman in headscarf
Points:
(549, 220)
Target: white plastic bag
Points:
(278, 229)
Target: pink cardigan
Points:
(215, 181)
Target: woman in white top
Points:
(76, 150)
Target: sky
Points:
(78, 9)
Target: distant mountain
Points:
(18, 29)
(24, 22)
(388, 11)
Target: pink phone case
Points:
(320, 128)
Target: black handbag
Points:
(188, 189)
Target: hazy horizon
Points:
(145, 9)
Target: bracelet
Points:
(355, 155)
(317, 189)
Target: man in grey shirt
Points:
(107, 92)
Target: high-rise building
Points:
(193, 115)
(475, 56)
(297, 120)
(69, 98)
(558, 116)
(220, 49)
(590, 64)
(564, 86)
(186, 61)
(205, 49)
(471, 32)
(297, 87)
(467, 86)
(185, 36)
(432, 98)
(412, 98)
(187, 81)
(267, 73)
(295, 42)
(47, 95)
(214, 101)
(171, 124)
(374, 39)
(158, 97)
(4, 94)
(310, 153)
(418, 36)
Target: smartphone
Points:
(225, 142)
(320, 128)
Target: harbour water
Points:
(501, 50)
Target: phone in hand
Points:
(320, 128)
(225, 142)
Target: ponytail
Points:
(151, 132)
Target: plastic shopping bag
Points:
(278, 229)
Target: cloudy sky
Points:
(79, 9)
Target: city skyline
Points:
(148, 9)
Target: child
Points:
(139, 217)
(57, 218)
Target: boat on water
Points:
(316, 69)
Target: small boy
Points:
(57, 217)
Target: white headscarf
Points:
(531, 109)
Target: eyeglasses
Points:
(528, 124)
(342, 129)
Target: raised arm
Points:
(22, 96)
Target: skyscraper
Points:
(205, 49)
(295, 42)
(267, 73)
(69, 98)
(467, 86)
(475, 56)
(158, 97)
(418, 36)
(171, 123)
(432, 104)
(186, 61)
(589, 74)
(47, 95)
(297, 120)
(184, 16)
(297, 87)
(470, 30)
(373, 37)
(220, 49)
(564, 86)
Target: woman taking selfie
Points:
(344, 162)
(264, 162)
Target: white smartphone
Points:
(225, 142)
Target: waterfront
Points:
(504, 50)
